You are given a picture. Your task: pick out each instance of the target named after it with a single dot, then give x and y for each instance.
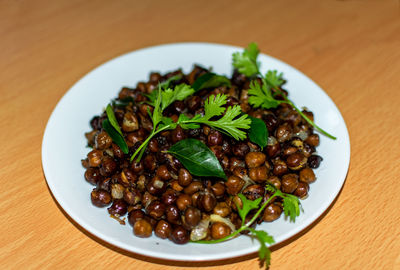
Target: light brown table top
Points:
(350, 48)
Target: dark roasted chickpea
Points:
(193, 187)
(289, 183)
(134, 216)
(307, 175)
(272, 212)
(150, 163)
(234, 184)
(153, 146)
(156, 209)
(253, 192)
(104, 184)
(94, 158)
(313, 140)
(173, 163)
(177, 134)
(184, 177)
(296, 161)
(194, 133)
(226, 147)
(288, 150)
(140, 86)
(193, 103)
(92, 175)
(130, 122)
(163, 229)
(100, 198)
(169, 197)
(283, 132)
(172, 214)
(222, 209)
(224, 162)
(314, 161)
(274, 180)
(240, 172)
(180, 235)
(151, 220)
(150, 86)
(103, 141)
(235, 162)
(206, 201)
(108, 166)
(132, 196)
(293, 117)
(155, 77)
(118, 208)
(156, 186)
(183, 201)
(236, 201)
(273, 147)
(302, 190)
(195, 197)
(240, 149)
(259, 174)
(218, 189)
(192, 216)
(255, 159)
(214, 138)
(95, 123)
(220, 230)
(117, 152)
(307, 150)
(163, 173)
(128, 177)
(147, 198)
(270, 121)
(280, 167)
(142, 228)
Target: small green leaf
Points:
(246, 62)
(258, 132)
(122, 102)
(112, 119)
(197, 158)
(210, 80)
(264, 253)
(261, 96)
(247, 206)
(166, 83)
(115, 136)
(180, 92)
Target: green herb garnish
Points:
(261, 95)
(197, 158)
(258, 132)
(231, 122)
(110, 125)
(291, 207)
(209, 80)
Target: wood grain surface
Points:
(350, 48)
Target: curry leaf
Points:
(258, 132)
(209, 80)
(115, 136)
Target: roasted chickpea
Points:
(94, 158)
(118, 208)
(220, 230)
(180, 235)
(108, 166)
(163, 229)
(206, 201)
(255, 159)
(302, 190)
(156, 209)
(240, 149)
(132, 196)
(272, 212)
(183, 201)
(283, 132)
(280, 167)
(296, 161)
(103, 141)
(193, 187)
(259, 174)
(289, 183)
(192, 216)
(172, 214)
(274, 180)
(214, 138)
(169, 197)
(307, 175)
(130, 122)
(222, 209)
(134, 216)
(218, 189)
(100, 198)
(142, 228)
(184, 177)
(253, 192)
(92, 175)
(156, 186)
(314, 161)
(163, 173)
(234, 184)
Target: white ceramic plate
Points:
(64, 145)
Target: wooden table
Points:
(350, 48)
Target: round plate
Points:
(64, 145)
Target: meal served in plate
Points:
(201, 157)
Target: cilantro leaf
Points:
(274, 79)
(247, 206)
(166, 83)
(261, 96)
(291, 206)
(180, 92)
(213, 106)
(246, 62)
(264, 253)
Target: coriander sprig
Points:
(261, 95)
(291, 208)
(231, 120)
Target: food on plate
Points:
(202, 157)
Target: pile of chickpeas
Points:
(159, 195)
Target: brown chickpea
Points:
(156, 186)
(169, 197)
(118, 208)
(226, 147)
(289, 183)
(274, 180)
(163, 229)
(142, 228)
(92, 175)
(177, 134)
(222, 209)
(234, 184)
(153, 146)
(220, 230)
(307, 150)
(224, 162)
(253, 192)
(147, 198)
(94, 158)
(180, 235)
(240, 172)
(195, 197)
(218, 189)
(104, 184)
(183, 201)
(192, 216)
(217, 150)
(270, 121)
(273, 149)
(259, 174)
(130, 122)
(100, 198)
(163, 173)
(302, 190)
(184, 177)
(241, 149)
(172, 214)
(214, 138)
(150, 163)
(307, 175)
(207, 201)
(272, 212)
(283, 133)
(156, 209)
(155, 77)
(137, 167)
(193, 103)
(128, 177)
(255, 159)
(134, 216)
(296, 161)
(280, 167)
(108, 166)
(132, 196)
(193, 187)
(103, 141)
(314, 161)
(235, 162)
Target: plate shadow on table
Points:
(193, 263)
